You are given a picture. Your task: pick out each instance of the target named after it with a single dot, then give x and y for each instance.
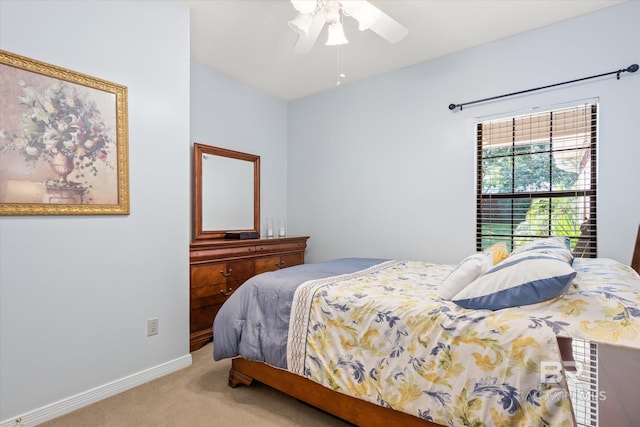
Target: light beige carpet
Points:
(197, 396)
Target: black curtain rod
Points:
(631, 69)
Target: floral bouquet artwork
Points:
(60, 143)
(64, 129)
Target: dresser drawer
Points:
(202, 318)
(289, 260)
(221, 273)
(213, 294)
(277, 262)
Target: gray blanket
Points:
(254, 322)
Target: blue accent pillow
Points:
(528, 277)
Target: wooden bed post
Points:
(238, 378)
(635, 261)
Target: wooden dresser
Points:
(219, 267)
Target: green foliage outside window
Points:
(550, 217)
(531, 169)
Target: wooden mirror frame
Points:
(198, 150)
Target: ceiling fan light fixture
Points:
(362, 11)
(301, 23)
(305, 6)
(330, 13)
(336, 35)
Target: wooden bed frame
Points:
(351, 409)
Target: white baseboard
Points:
(88, 397)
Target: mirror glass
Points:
(226, 196)
(224, 206)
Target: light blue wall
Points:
(382, 167)
(76, 291)
(228, 114)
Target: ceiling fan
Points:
(314, 14)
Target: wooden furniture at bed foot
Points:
(219, 267)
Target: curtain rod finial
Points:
(632, 68)
(452, 107)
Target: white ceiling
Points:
(250, 40)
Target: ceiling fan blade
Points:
(388, 28)
(305, 43)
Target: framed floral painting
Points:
(63, 141)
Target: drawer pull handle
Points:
(280, 264)
(226, 294)
(227, 274)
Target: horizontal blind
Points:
(582, 382)
(536, 177)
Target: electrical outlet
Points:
(152, 327)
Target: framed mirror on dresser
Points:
(226, 198)
(226, 192)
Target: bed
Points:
(373, 342)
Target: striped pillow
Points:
(526, 278)
(556, 245)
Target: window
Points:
(536, 177)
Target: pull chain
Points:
(341, 75)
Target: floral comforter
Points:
(383, 335)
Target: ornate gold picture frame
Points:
(63, 141)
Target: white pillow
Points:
(468, 270)
(526, 278)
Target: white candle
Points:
(269, 227)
